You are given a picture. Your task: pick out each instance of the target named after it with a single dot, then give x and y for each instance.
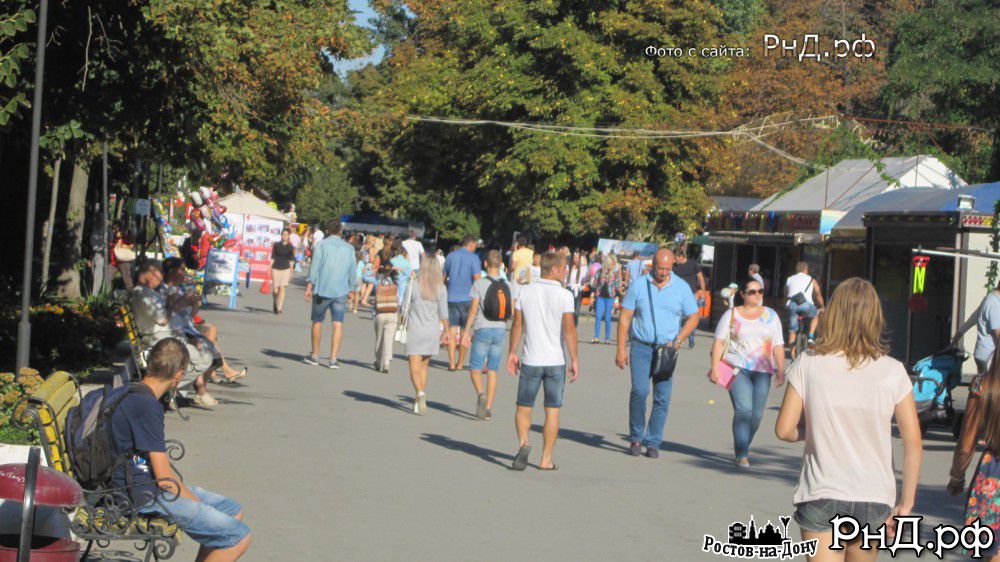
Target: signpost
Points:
(222, 268)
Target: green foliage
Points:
(327, 193)
(12, 53)
(575, 63)
(944, 67)
(14, 388)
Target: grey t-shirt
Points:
(989, 320)
(479, 292)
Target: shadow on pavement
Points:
(112, 556)
(361, 364)
(488, 455)
(297, 357)
(371, 398)
(442, 408)
(935, 501)
(585, 438)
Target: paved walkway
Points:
(331, 465)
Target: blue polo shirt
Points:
(672, 304)
(461, 267)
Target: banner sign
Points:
(626, 247)
(222, 268)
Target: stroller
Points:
(934, 377)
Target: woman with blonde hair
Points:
(841, 399)
(428, 310)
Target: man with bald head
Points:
(659, 308)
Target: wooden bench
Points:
(109, 513)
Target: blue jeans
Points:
(210, 522)
(336, 306)
(749, 396)
(487, 349)
(806, 309)
(640, 361)
(531, 379)
(603, 309)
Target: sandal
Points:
(554, 467)
(206, 400)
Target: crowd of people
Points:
(843, 393)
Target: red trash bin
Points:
(31, 485)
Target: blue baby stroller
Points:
(934, 377)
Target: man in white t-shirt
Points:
(802, 294)
(543, 312)
(414, 250)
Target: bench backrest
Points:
(134, 338)
(50, 404)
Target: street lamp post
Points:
(24, 327)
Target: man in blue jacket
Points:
(331, 278)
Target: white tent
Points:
(850, 182)
(246, 203)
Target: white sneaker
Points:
(422, 403)
(206, 400)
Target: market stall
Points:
(256, 227)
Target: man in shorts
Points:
(543, 313)
(214, 521)
(487, 346)
(332, 276)
(461, 269)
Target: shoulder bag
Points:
(664, 361)
(404, 312)
(800, 297)
(727, 374)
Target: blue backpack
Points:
(90, 444)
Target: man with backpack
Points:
(136, 432)
(491, 307)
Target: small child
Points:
(214, 521)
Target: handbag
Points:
(800, 298)
(400, 334)
(727, 373)
(664, 361)
(386, 298)
(124, 254)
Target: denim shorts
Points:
(815, 515)
(458, 313)
(337, 307)
(210, 522)
(806, 309)
(487, 349)
(553, 378)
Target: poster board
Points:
(222, 268)
(626, 247)
(254, 237)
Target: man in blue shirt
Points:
(651, 324)
(214, 521)
(461, 268)
(332, 276)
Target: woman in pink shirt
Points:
(842, 397)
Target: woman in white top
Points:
(849, 391)
(756, 351)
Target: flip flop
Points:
(521, 459)
(554, 467)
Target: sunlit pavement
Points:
(331, 464)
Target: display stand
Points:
(222, 268)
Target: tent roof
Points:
(851, 182)
(246, 203)
(921, 201)
(730, 203)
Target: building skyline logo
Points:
(749, 540)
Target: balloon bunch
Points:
(207, 220)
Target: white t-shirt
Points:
(752, 340)
(543, 303)
(414, 249)
(799, 283)
(848, 447)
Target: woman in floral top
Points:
(606, 285)
(756, 351)
(982, 422)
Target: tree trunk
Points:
(68, 284)
(50, 227)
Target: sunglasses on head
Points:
(752, 292)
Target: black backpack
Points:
(497, 304)
(90, 443)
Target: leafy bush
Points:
(70, 337)
(12, 390)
